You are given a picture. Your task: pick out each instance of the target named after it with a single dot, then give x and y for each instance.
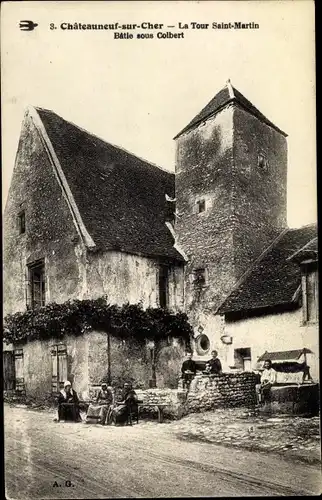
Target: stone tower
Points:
(231, 168)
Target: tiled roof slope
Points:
(121, 198)
(275, 279)
(309, 251)
(220, 100)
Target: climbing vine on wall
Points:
(76, 317)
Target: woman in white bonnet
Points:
(68, 404)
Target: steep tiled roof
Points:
(227, 95)
(120, 197)
(275, 278)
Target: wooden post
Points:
(109, 359)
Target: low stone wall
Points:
(221, 391)
(206, 393)
(173, 400)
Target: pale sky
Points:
(139, 94)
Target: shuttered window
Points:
(35, 290)
(19, 372)
(59, 366)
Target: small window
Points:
(163, 286)
(201, 206)
(202, 344)
(262, 161)
(199, 277)
(22, 222)
(242, 358)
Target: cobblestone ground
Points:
(294, 437)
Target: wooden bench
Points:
(159, 406)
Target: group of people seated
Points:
(105, 410)
(189, 368)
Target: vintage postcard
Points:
(160, 249)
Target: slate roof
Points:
(221, 100)
(275, 278)
(308, 251)
(284, 355)
(120, 197)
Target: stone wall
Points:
(272, 333)
(132, 278)
(221, 391)
(206, 393)
(173, 400)
(245, 203)
(50, 231)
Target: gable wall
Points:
(50, 231)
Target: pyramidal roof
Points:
(226, 96)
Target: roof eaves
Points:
(257, 114)
(80, 226)
(304, 249)
(269, 306)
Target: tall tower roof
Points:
(226, 96)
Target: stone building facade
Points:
(85, 219)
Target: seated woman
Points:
(68, 404)
(100, 411)
(127, 404)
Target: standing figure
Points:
(268, 378)
(102, 408)
(188, 370)
(214, 364)
(68, 404)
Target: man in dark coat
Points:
(214, 364)
(188, 370)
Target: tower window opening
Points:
(201, 206)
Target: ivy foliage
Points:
(76, 317)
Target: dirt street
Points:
(44, 459)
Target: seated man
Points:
(214, 364)
(68, 404)
(102, 408)
(268, 378)
(127, 404)
(188, 370)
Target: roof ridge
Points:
(251, 268)
(106, 142)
